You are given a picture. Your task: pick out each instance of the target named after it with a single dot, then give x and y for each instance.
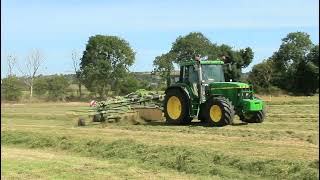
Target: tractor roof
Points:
(193, 62)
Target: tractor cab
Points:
(211, 71)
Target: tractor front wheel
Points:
(253, 117)
(219, 112)
(176, 107)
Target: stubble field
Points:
(41, 141)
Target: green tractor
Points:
(201, 92)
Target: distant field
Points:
(41, 141)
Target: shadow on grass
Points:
(163, 123)
(159, 123)
(239, 124)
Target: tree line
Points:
(294, 67)
(103, 67)
(195, 43)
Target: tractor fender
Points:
(218, 95)
(215, 95)
(185, 92)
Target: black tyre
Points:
(176, 107)
(81, 122)
(96, 118)
(219, 111)
(253, 117)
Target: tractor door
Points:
(190, 77)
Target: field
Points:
(41, 141)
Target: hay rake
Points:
(134, 107)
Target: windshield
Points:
(212, 73)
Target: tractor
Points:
(202, 92)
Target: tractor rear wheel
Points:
(96, 118)
(253, 117)
(176, 107)
(219, 111)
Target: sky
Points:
(57, 27)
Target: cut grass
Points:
(22, 163)
(234, 143)
(285, 146)
(180, 158)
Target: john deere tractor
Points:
(201, 92)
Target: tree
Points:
(76, 67)
(129, 84)
(41, 85)
(194, 43)
(306, 78)
(235, 59)
(313, 56)
(11, 59)
(11, 88)
(186, 47)
(260, 76)
(57, 87)
(104, 62)
(296, 64)
(164, 65)
(33, 63)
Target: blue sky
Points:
(57, 27)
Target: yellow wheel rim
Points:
(174, 107)
(215, 113)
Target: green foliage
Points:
(291, 54)
(186, 47)
(306, 78)
(261, 75)
(313, 56)
(246, 57)
(105, 61)
(237, 60)
(294, 67)
(57, 87)
(130, 84)
(11, 88)
(164, 65)
(41, 85)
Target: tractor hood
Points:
(228, 85)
